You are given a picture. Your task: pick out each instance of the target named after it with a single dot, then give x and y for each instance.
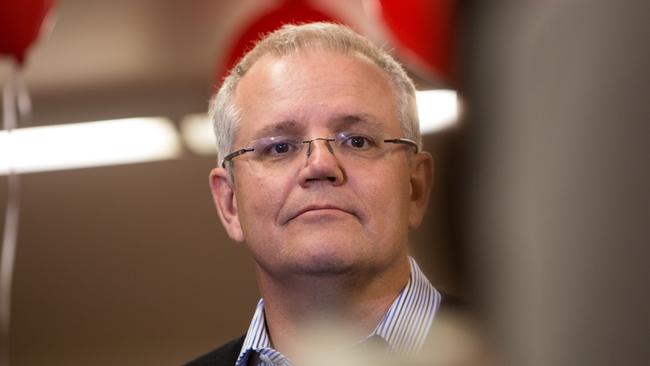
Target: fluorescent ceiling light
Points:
(90, 144)
(437, 110)
(198, 135)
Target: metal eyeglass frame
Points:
(236, 153)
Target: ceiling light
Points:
(437, 109)
(80, 145)
(198, 135)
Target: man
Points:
(321, 177)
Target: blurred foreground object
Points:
(558, 159)
(455, 340)
(20, 25)
(420, 33)
(287, 12)
(424, 32)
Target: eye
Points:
(358, 142)
(280, 148)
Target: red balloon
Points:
(20, 24)
(291, 11)
(427, 29)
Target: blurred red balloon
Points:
(291, 11)
(427, 29)
(20, 24)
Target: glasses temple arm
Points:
(405, 142)
(233, 155)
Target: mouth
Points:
(320, 210)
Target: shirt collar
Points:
(404, 327)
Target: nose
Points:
(322, 164)
(325, 140)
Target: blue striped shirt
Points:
(404, 327)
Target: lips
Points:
(318, 207)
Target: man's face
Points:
(326, 215)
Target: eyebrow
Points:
(341, 121)
(364, 119)
(281, 128)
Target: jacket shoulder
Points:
(225, 355)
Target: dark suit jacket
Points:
(225, 355)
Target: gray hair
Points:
(289, 38)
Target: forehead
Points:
(315, 90)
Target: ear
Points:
(421, 181)
(225, 200)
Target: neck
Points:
(355, 302)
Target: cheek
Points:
(388, 202)
(259, 200)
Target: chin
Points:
(329, 258)
(324, 266)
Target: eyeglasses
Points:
(275, 154)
